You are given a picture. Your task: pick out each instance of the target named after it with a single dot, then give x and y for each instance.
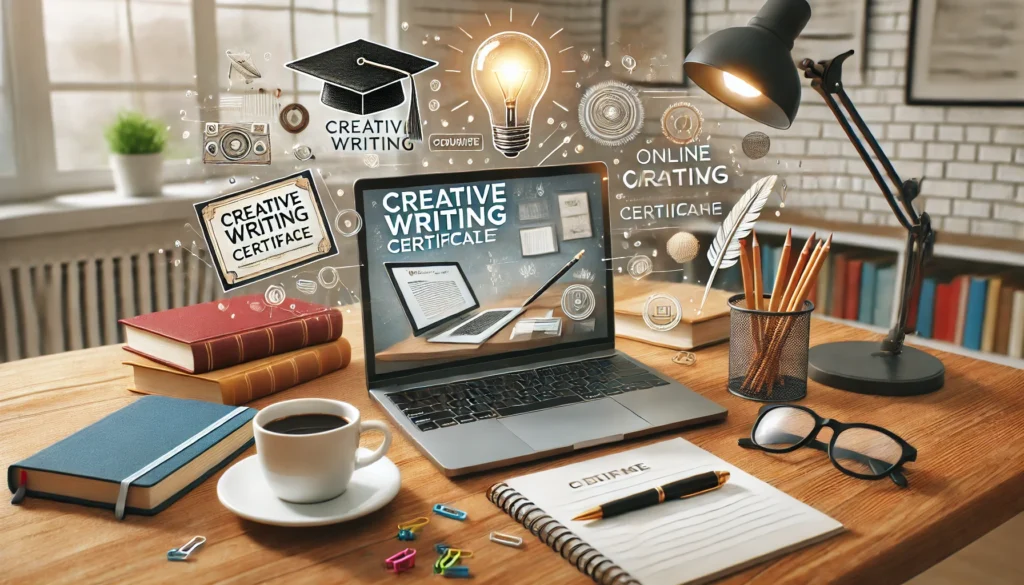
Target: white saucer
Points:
(244, 490)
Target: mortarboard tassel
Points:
(413, 125)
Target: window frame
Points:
(29, 89)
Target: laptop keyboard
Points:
(515, 393)
(480, 324)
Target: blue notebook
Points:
(96, 459)
(885, 289)
(926, 308)
(975, 320)
(866, 309)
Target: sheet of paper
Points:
(433, 293)
(684, 541)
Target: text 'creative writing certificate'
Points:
(693, 540)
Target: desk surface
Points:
(968, 479)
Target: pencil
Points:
(748, 281)
(779, 289)
(798, 272)
(811, 274)
(758, 284)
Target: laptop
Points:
(434, 250)
(417, 285)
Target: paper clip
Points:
(441, 548)
(408, 530)
(507, 539)
(401, 561)
(685, 358)
(181, 553)
(449, 512)
(460, 572)
(447, 560)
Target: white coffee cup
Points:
(309, 468)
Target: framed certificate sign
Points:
(266, 230)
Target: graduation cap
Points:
(363, 77)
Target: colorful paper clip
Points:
(408, 530)
(449, 512)
(441, 548)
(181, 553)
(401, 561)
(506, 539)
(459, 572)
(447, 560)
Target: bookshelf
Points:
(992, 254)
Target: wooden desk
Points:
(969, 478)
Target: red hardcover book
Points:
(947, 300)
(838, 307)
(851, 306)
(201, 338)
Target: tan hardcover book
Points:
(988, 331)
(244, 382)
(1016, 344)
(693, 330)
(1003, 323)
(961, 309)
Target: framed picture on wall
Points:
(966, 53)
(646, 42)
(836, 26)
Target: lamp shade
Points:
(750, 68)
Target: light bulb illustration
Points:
(510, 74)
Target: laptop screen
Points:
(440, 250)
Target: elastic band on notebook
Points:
(122, 493)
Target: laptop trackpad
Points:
(571, 425)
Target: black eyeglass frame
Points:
(894, 472)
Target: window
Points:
(80, 62)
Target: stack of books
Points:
(234, 351)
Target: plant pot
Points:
(137, 175)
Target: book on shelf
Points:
(974, 314)
(244, 382)
(947, 297)
(926, 307)
(204, 337)
(822, 290)
(988, 334)
(769, 264)
(961, 309)
(851, 308)
(1015, 343)
(188, 440)
(1004, 319)
(693, 330)
(837, 304)
(885, 290)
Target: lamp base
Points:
(859, 366)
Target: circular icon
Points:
(639, 266)
(578, 302)
(235, 145)
(294, 118)
(756, 145)
(611, 113)
(348, 222)
(682, 247)
(328, 277)
(303, 152)
(211, 148)
(259, 147)
(629, 63)
(682, 123)
(211, 127)
(662, 312)
(274, 295)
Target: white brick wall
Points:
(972, 158)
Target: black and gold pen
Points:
(676, 490)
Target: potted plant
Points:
(136, 154)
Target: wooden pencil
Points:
(748, 277)
(798, 272)
(758, 282)
(779, 289)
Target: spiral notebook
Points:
(695, 540)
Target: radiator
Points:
(65, 304)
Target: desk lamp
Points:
(750, 69)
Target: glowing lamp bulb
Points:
(739, 86)
(510, 74)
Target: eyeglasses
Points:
(860, 450)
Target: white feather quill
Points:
(725, 250)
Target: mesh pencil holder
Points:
(768, 352)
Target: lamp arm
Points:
(826, 79)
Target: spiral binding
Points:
(554, 534)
